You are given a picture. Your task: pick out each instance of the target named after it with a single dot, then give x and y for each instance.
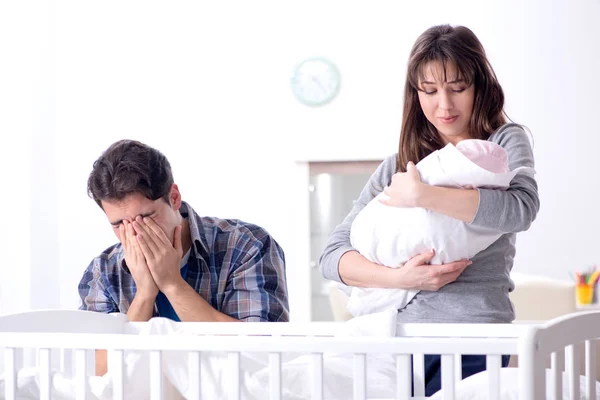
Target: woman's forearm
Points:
(356, 270)
(461, 204)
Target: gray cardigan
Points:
(480, 294)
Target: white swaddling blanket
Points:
(391, 236)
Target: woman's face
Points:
(447, 103)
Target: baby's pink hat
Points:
(487, 155)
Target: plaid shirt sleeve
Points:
(93, 291)
(256, 289)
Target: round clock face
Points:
(315, 82)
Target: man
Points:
(171, 262)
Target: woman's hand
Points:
(406, 188)
(417, 274)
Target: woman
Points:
(451, 93)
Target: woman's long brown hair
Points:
(457, 46)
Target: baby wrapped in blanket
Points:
(391, 236)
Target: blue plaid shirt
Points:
(235, 266)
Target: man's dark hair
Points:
(129, 166)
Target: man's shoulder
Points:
(226, 227)
(213, 229)
(227, 235)
(236, 242)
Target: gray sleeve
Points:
(515, 209)
(339, 241)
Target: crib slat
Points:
(116, 368)
(24, 357)
(493, 365)
(448, 376)
(62, 361)
(458, 367)
(234, 370)
(275, 376)
(66, 362)
(10, 382)
(572, 357)
(90, 359)
(81, 374)
(360, 376)
(403, 376)
(316, 376)
(156, 389)
(557, 360)
(44, 374)
(195, 375)
(590, 369)
(419, 374)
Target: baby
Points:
(391, 236)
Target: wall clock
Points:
(315, 81)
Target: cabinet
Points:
(331, 188)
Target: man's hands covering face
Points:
(162, 258)
(136, 262)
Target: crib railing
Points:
(559, 339)
(275, 346)
(532, 342)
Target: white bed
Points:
(65, 340)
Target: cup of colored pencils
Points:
(585, 284)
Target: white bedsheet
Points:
(391, 236)
(475, 387)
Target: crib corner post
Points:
(532, 378)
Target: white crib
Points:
(66, 340)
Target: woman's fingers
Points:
(455, 267)
(448, 273)
(433, 277)
(417, 274)
(421, 259)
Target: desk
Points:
(587, 307)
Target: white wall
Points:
(208, 84)
(24, 100)
(15, 130)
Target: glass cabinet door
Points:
(333, 188)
